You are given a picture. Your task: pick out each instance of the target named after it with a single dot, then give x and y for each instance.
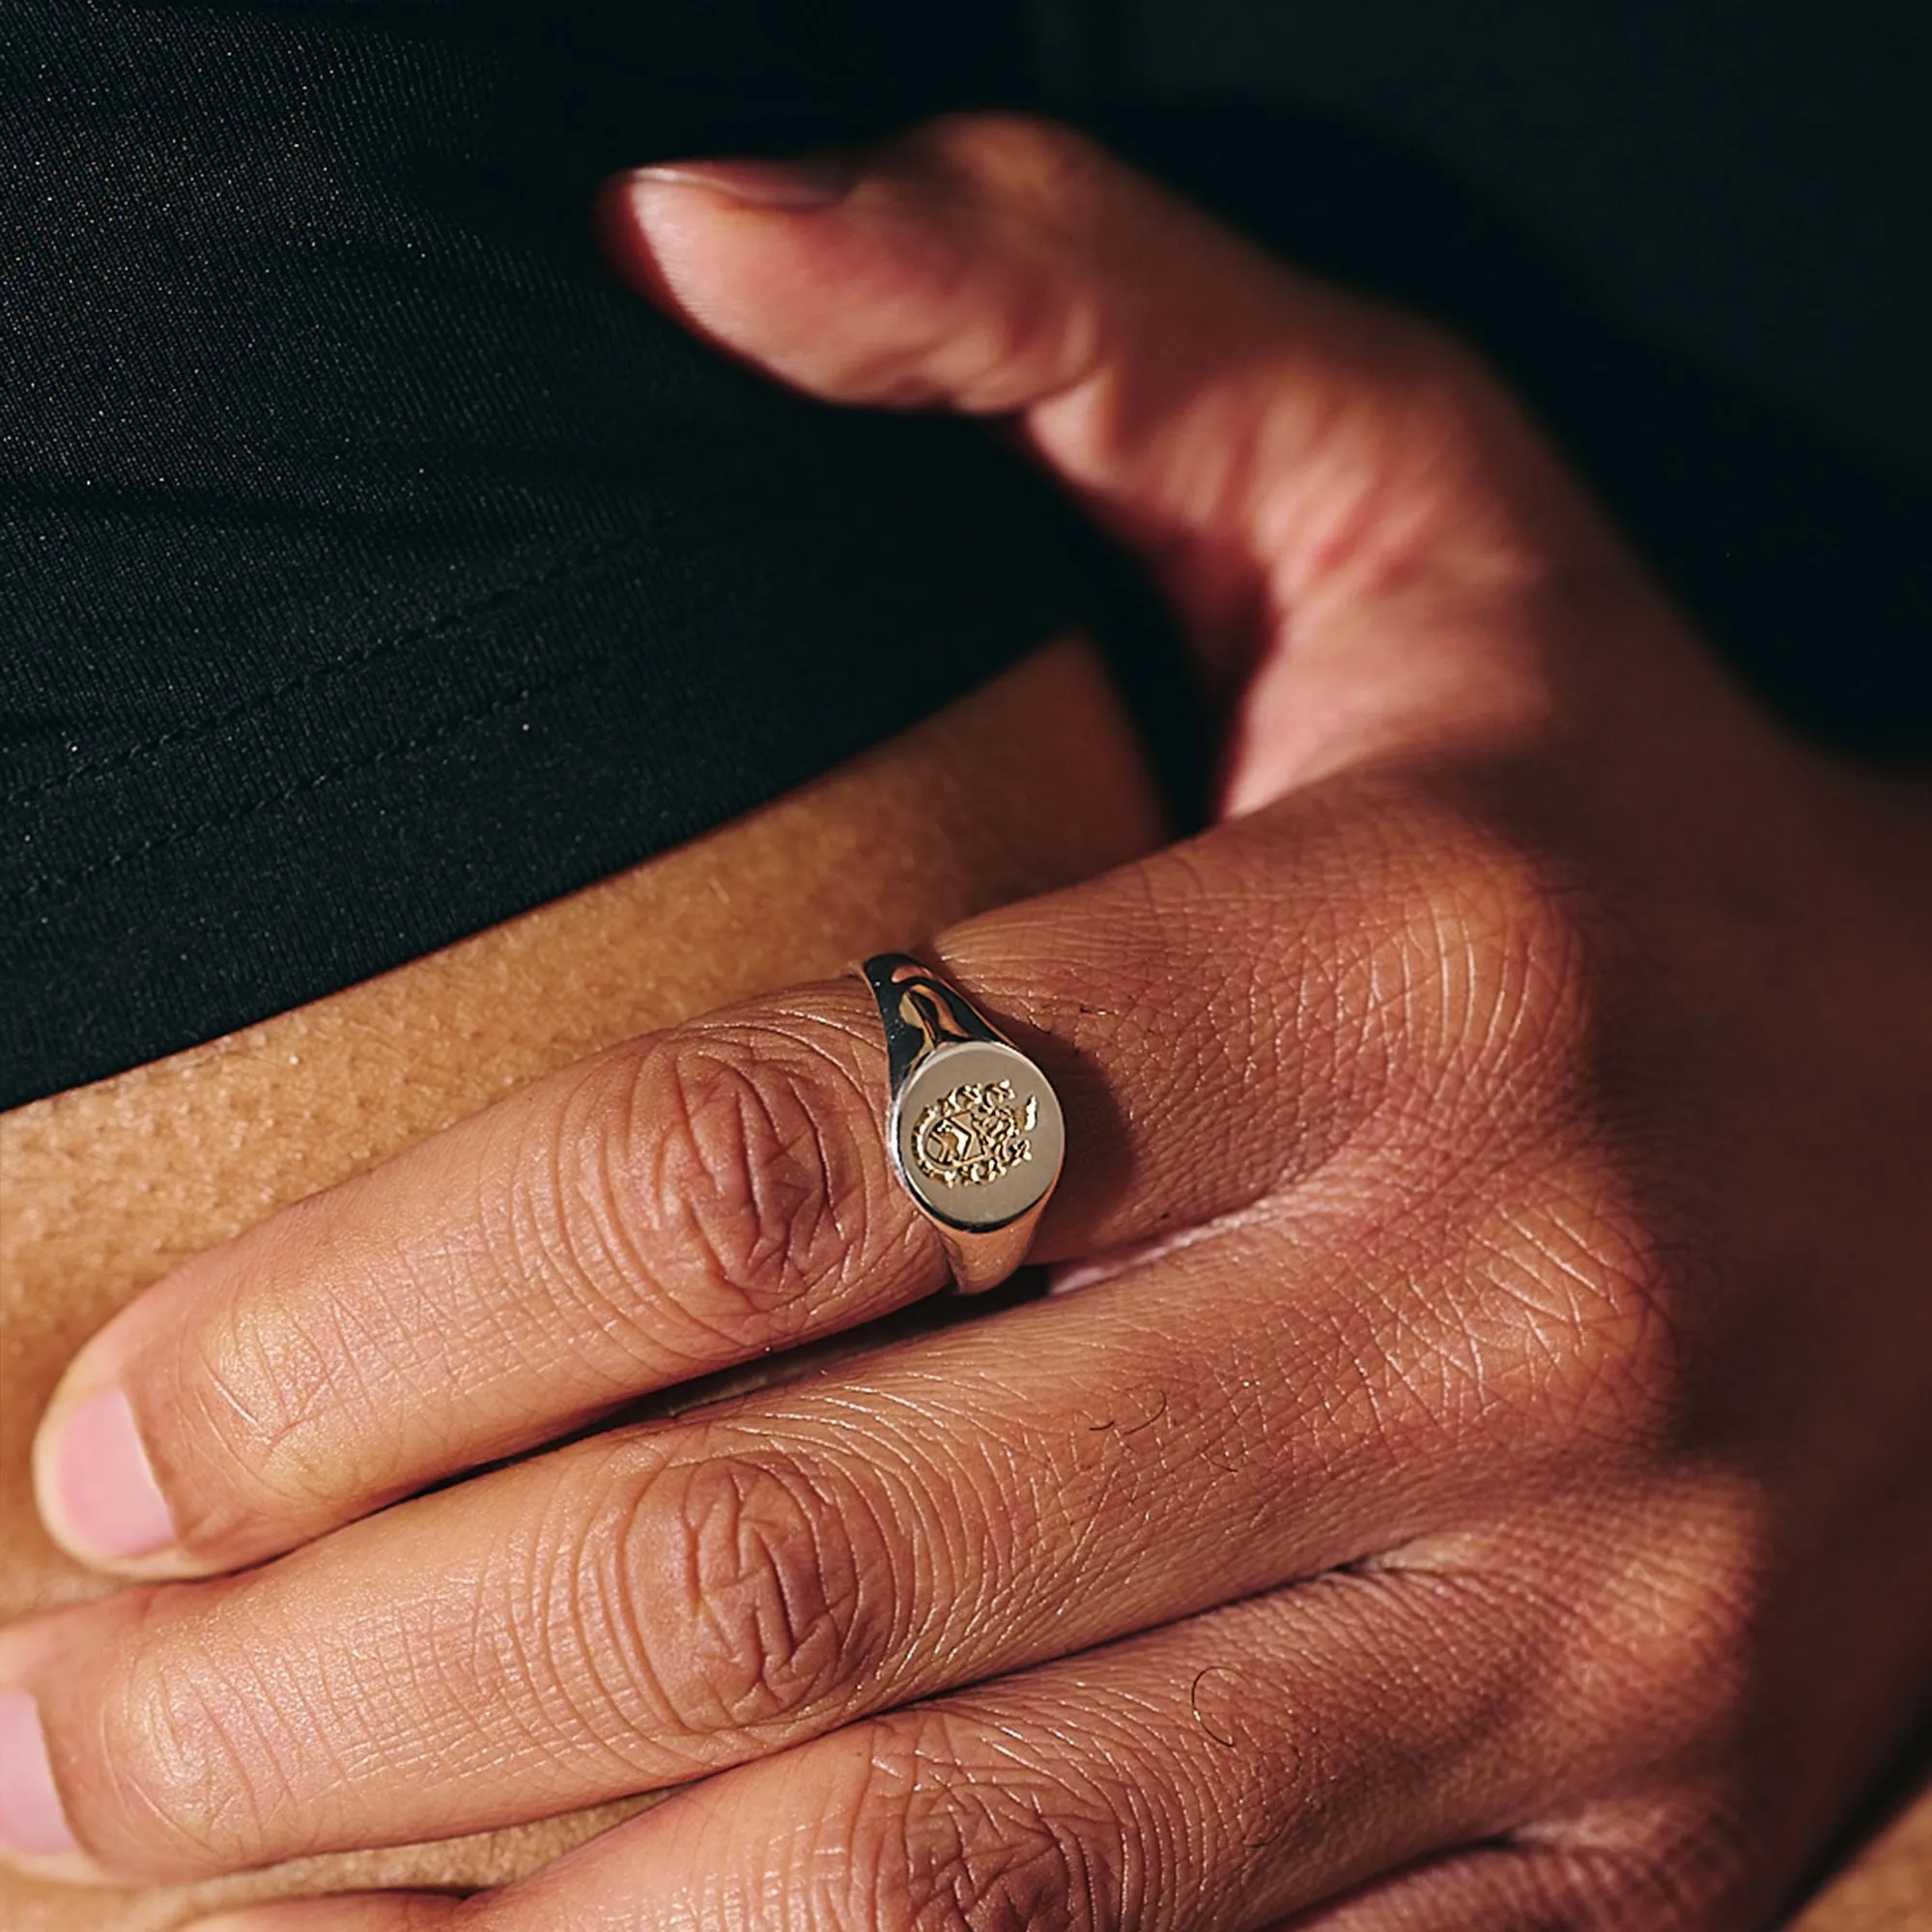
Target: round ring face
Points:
(978, 1134)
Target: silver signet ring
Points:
(976, 1134)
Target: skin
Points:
(1478, 1473)
(1034, 780)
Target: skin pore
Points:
(1032, 781)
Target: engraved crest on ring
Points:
(972, 1135)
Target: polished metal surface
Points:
(975, 1133)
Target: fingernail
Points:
(31, 1819)
(815, 181)
(102, 1487)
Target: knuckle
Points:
(720, 1171)
(1031, 156)
(1685, 1867)
(1491, 1024)
(1454, 451)
(1452, 399)
(963, 1835)
(743, 1174)
(197, 1776)
(1695, 1616)
(1488, 971)
(1661, 1631)
(1580, 1318)
(1030, 200)
(768, 1599)
(264, 1411)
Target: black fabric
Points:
(375, 568)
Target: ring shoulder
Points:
(920, 1011)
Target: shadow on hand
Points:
(1806, 561)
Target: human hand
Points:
(1484, 1478)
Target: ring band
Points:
(976, 1133)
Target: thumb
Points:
(1279, 454)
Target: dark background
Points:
(1694, 230)
(373, 568)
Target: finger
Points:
(1211, 1017)
(374, 1912)
(1275, 451)
(1648, 1878)
(635, 1611)
(1507, 1887)
(672, 1205)
(1211, 1777)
